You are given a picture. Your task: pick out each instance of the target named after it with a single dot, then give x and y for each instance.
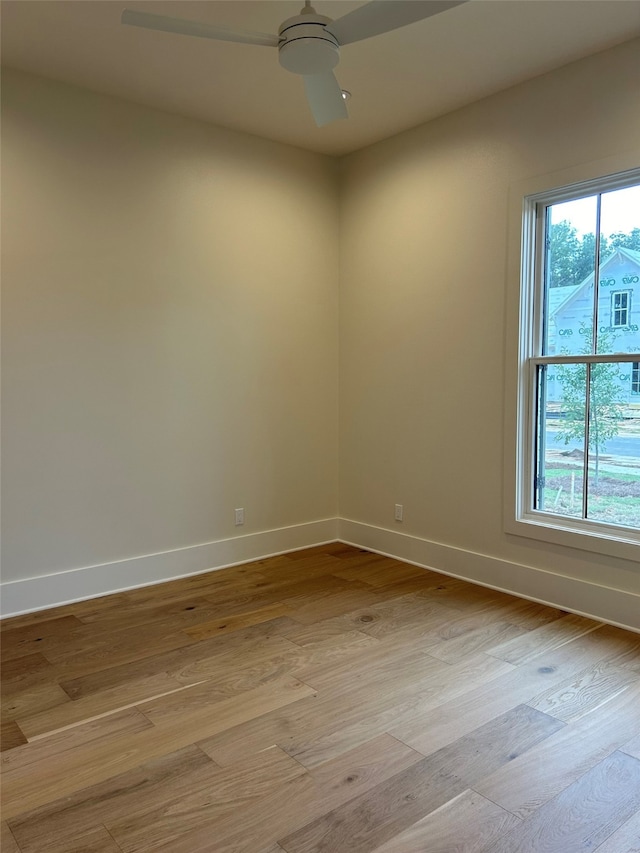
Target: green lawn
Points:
(616, 500)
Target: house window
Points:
(620, 306)
(578, 443)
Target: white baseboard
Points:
(596, 601)
(25, 596)
(583, 597)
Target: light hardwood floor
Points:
(326, 700)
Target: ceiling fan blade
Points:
(325, 97)
(193, 28)
(381, 16)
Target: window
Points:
(578, 430)
(620, 304)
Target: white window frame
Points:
(635, 377)
(626, 309)
(523, 348)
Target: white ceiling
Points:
(397, 80)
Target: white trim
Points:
(585, 598)
(39, 593)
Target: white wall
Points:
(424, 249)
(170, 332)
(171, 338)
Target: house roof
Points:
(632, 253)
(559, 297)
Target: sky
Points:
(620, 212)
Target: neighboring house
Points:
(570, 308)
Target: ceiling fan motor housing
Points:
(306, 46)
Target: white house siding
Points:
(571, 321)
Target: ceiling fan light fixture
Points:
(309, 56)
(306, 46)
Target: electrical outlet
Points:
(239, 516)
(398, 512)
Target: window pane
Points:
(619, 273)
(560, 439)
(569, 274)
(614, 446)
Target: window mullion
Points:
(587, 428)
(596, 276)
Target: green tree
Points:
(572, 258)
(605, 411)
(620, 240)
(563, 255)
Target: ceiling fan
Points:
(309, 44)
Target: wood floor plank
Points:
(331, 651)
(526, 614)
(628, 654)
(343, 716)
(36, 754)
(467, 597)
(76, 609)
(335, 604)
(632, 747)
(79, 768)
(95, 840)
(32, 638)
(227, 624)
(288, 570)
(153, 781)
(21, 671)
(117, 647)
(190, 663)
(542, 773)
(374, 818)
(179, 613)
(433, 727)
(8, 842)
(302, 799)
(32, 700)
(398, 614)
(379, 619)
(316, 744)
(583, 815)
(531, 644)
(372, 664)
(11, 735)
(379, 571)
(481, 639)
(97, 705)
(160, 821)
(438, 624)
(589, 690)
(465, 824)
(623, 840)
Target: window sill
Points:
(602, 539)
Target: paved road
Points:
(621, 445)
